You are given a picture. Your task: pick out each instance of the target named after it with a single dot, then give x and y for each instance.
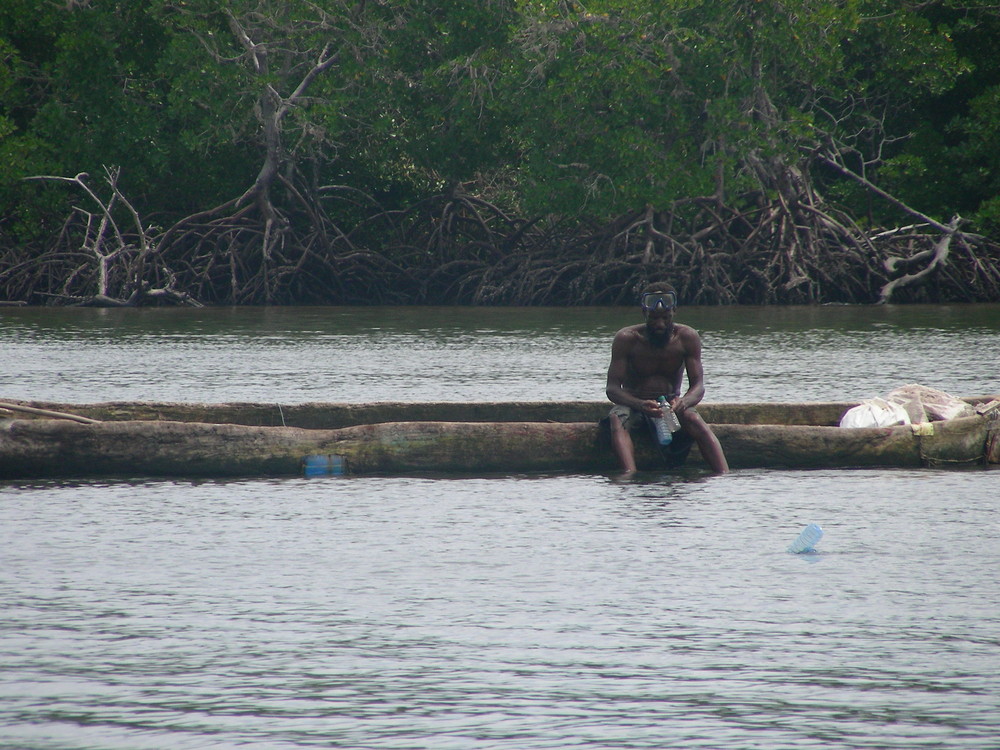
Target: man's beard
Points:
(658, 339)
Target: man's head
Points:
(658, 302)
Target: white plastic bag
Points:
(875, 412)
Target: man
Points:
(648, 361)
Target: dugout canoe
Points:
(197, 440)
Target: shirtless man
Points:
(648, 361)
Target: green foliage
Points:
(585, 110)
(979, 159)
(600, 116)
(20, 152)
(440, 72)
(622, 104)
(78, 95)
(943, 58)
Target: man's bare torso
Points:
(654, 370)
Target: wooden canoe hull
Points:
(957, 442)
(35, 448)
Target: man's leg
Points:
(621, 441)
(708, 443)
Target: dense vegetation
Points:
(499, 151)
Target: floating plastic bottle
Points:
(323, 465)
(806, 541)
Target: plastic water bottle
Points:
(805, 541)
(669, 418)
(664, 435)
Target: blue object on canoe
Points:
(806, 541)
(323, 466)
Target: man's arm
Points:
(695, 373)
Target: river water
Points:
(541, 611)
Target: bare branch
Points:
(940, 257)
(870, 186)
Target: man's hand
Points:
(650, 408)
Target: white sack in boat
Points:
(875, 412)
(908, 404)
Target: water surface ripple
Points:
(501, 612)
(295, 355)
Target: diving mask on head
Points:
(658, 301)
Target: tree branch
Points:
(870, 186)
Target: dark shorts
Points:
(674, 454)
